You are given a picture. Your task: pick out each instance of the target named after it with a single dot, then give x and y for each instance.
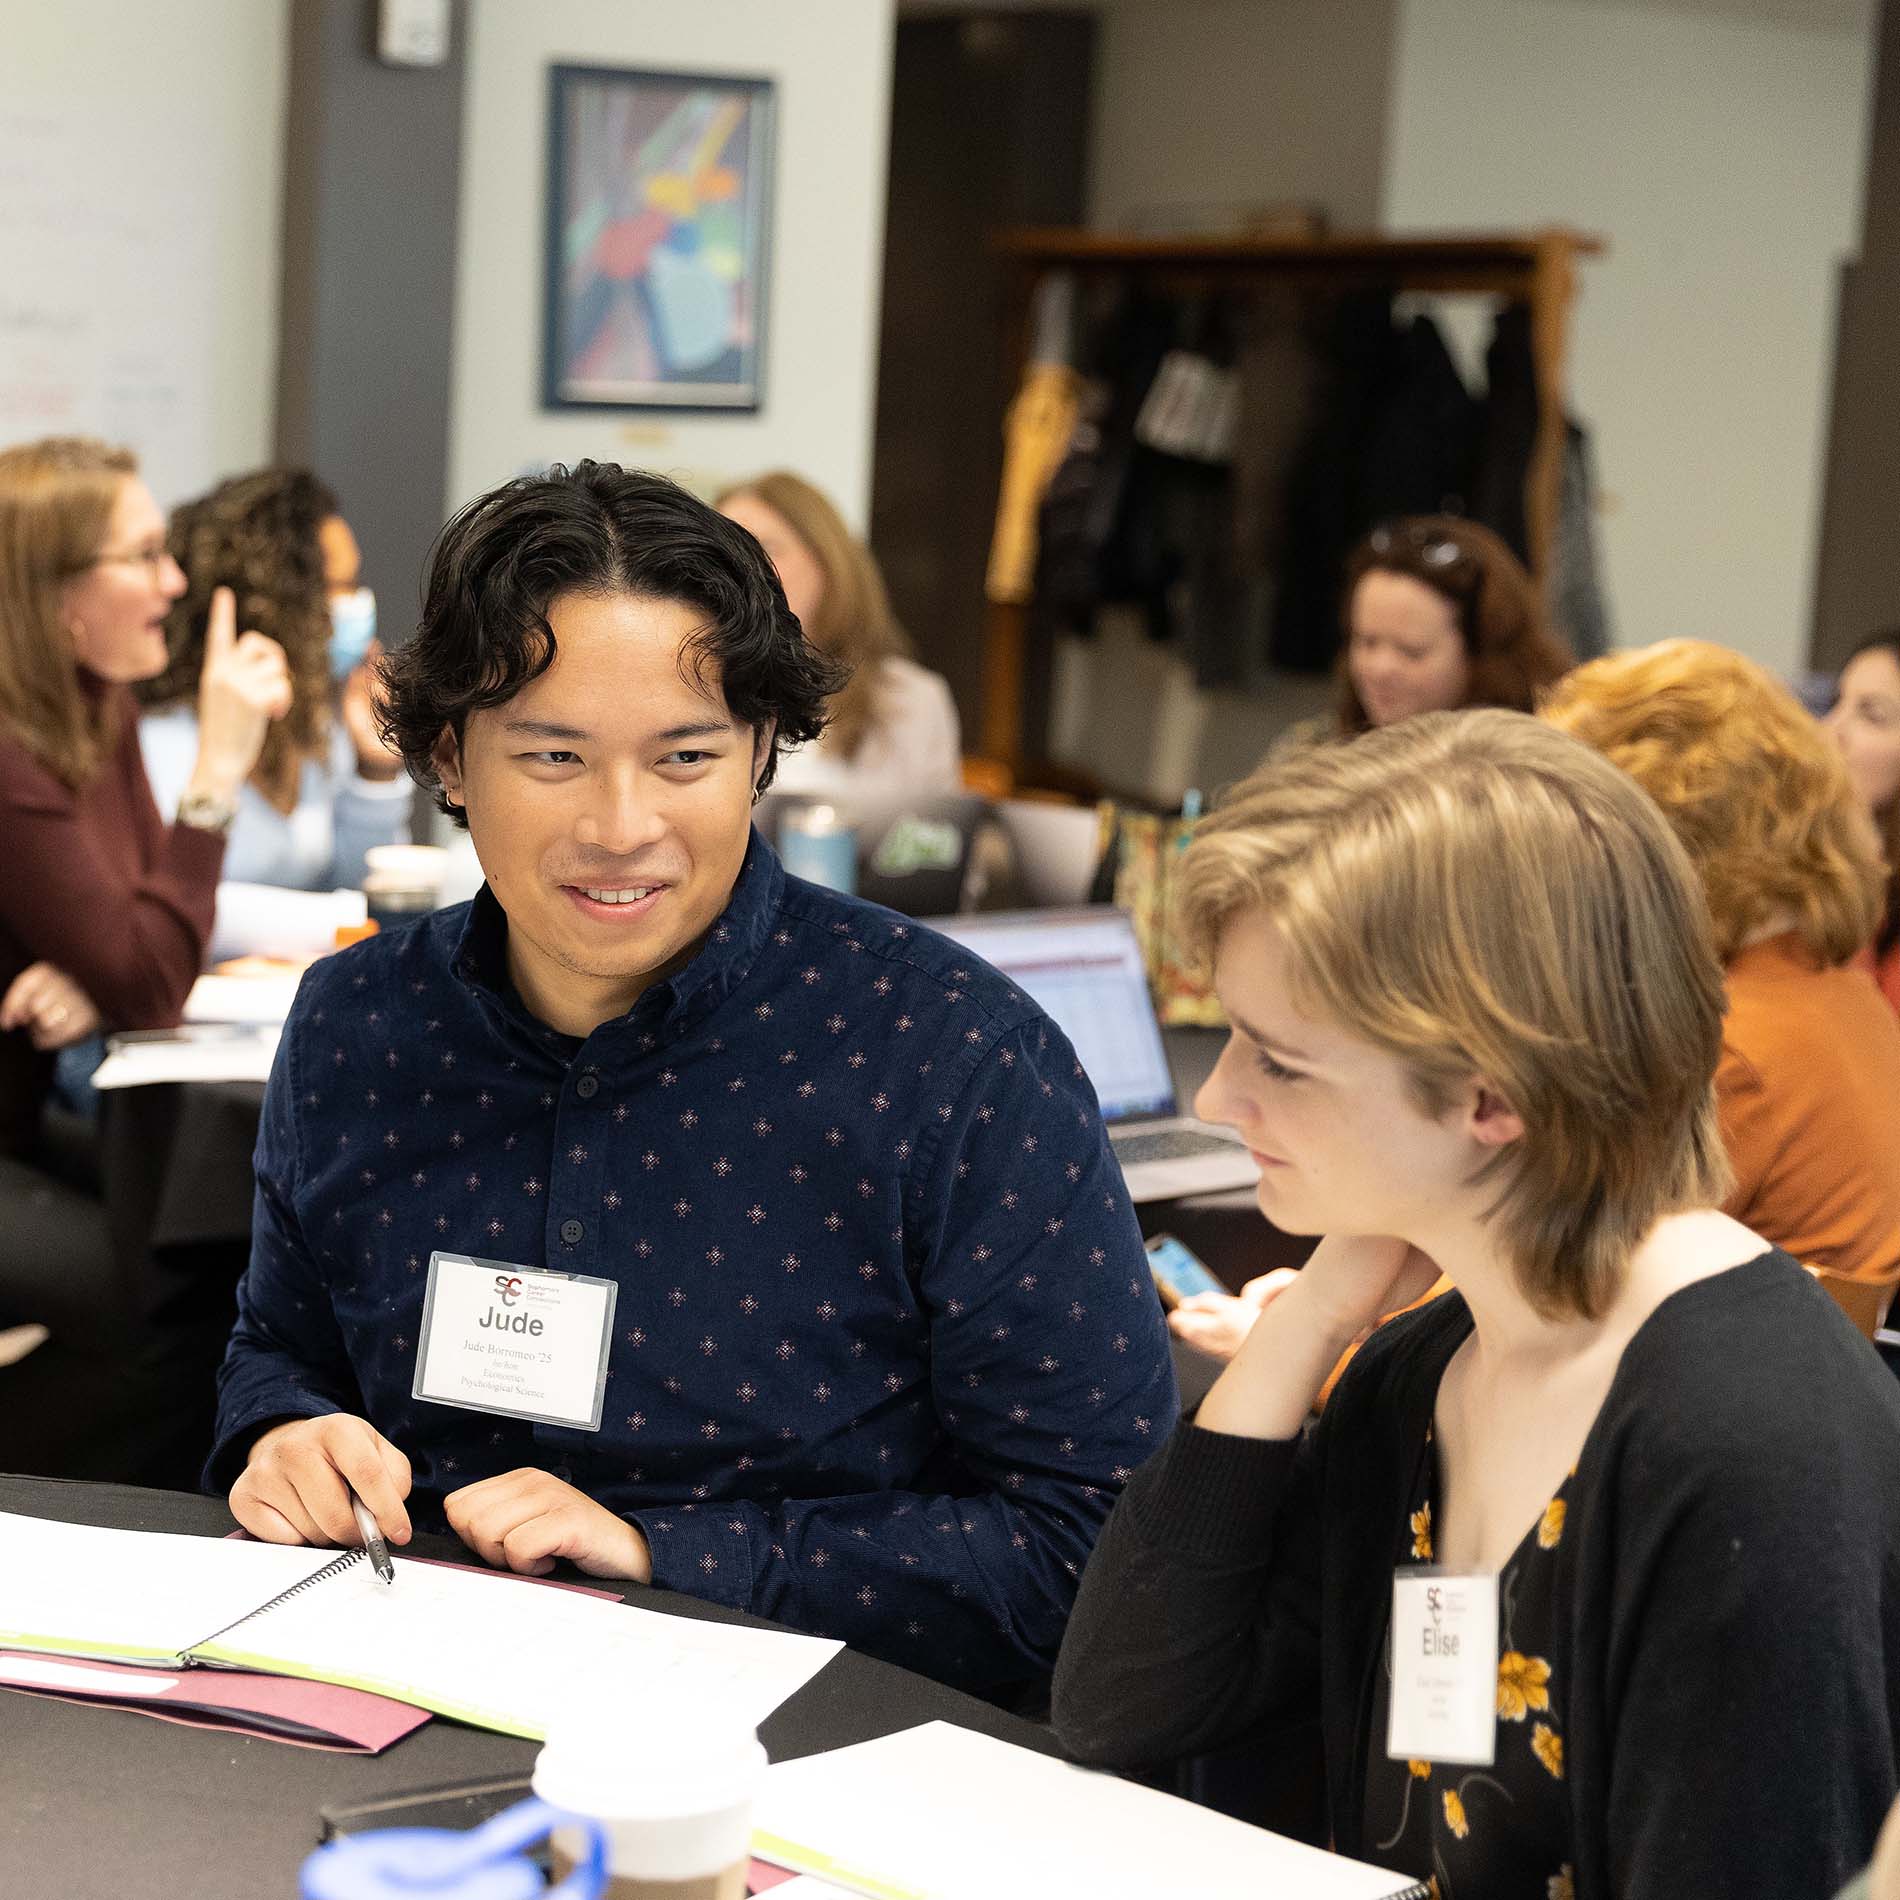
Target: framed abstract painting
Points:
(659, 219)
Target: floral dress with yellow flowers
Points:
(1484, 1833)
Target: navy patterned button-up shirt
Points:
(886, 1343)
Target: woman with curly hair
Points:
(325, 788)
(1865, 724)
(893, 731)
(1440, 615)
(1791, 866)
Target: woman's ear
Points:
(446, 757)
(1494, 1123)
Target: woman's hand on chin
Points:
(1354, 1281)
(1342, 1292)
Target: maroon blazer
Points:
(93, 881)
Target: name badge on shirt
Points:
(515, 1340)
(1444, 1667)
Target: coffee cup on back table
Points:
(402, 881)
(673, 1786)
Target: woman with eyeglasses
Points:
(1865, 724)
(105, 910)
(325, 788)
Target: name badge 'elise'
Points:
(1444, 1661)
(518, 1341)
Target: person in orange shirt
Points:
(1865, 724)
(1809, 1080)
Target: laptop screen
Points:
(1084, 967)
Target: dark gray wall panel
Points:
(371, 194)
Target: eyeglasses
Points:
(152, 558)
(1435, 550)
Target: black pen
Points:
(373, 1540)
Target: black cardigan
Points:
(1730, 1588)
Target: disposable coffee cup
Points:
(672, 1785)
(403, 881)
(413, 864)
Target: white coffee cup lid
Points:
(629, 1757)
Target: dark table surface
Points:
(104, 1804)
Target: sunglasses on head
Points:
(1435, 550)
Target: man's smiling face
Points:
(610, 804)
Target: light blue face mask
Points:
(352, 630)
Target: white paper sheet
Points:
(264, 999)
(84, 1678)
(80, 1590)
(267, 920)
(942, 1813)
(241, 1056)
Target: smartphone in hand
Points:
(1179, 1273)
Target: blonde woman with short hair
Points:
(1476, 1016)
(1808, 1087)
(893, 731)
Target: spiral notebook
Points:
(495, 1651)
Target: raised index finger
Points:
(221, 624)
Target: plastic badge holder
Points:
(400, 1863)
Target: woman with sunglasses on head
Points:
(325, 788)
(105, 910)
(1865, 724)
(1586, 1569)
(1438, 615)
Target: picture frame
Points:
(658, 253)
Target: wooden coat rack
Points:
(1538, 269)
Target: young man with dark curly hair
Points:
(656, 1210)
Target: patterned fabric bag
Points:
(1139, 852)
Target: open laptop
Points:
(1084, 967)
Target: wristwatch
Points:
(206, 811)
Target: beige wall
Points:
(1721, 156)
(831, 59)
(1210, 104)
